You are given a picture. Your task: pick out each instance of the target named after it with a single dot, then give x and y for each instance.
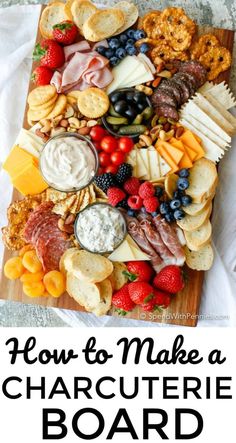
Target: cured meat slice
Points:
(185, 91)
(189, 83)
(173, 88)
(139, 237)
(53, 252)
(167, 111)
(37, 215)
(195, 68)
(156, 241)
(170, 239)
(163, 97)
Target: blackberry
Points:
(105, 181)
(124, 172)
(123, 204)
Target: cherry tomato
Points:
(109, 144)
(97, 133)
(97, 146)
(112, 169)
(118, 158)
(104, 159)
(125, 144)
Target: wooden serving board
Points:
(184, 307)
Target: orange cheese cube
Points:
(17, 160)
(30, 181)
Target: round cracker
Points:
(41, 95)
(59, 107)
(39, 114)
(130, 12)
(93, 103)
(45, 105)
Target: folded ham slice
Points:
(170, 238)
(83, 68)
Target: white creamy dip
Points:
(67, 163)
(100, 228)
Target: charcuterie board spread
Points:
(115, 169)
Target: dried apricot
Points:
(31, 262)
(25, 249)
(29, 277)
(55, 283)
(13, 268)
(36, 289)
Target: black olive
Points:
(140, 97)
(130, 96)
(131, 113)
(116, 96)
(121, 107)
(141, 106)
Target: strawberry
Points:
(170, 279)
(115, 196)
(161, 299)
(132, 185)
(140, 292)
(42, 76)
(65, 32)
(122, 301)
(139, 271)
(146, 190)
(151, 204)
(149, 306)
(50, 54)
(135, 202)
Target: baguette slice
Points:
(84, 293)
(193, 222)
(105, 289)
(201, 260)
(203, 180)
(51, 15)
(81, 10)
(103, 24)
(118, 278)
(195, 240)
(197, 208)
(92, 268)
(64, 258)
(131, 15)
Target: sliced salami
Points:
(182, 76)
(167, 111)
(161, 97)
(54, 250)
(195, 68)
(185, 91)
(35, 218)
(168, 86)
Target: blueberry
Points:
(131, 213)
(164, 208)
(184, 173)
(182, 183)
(130, 33)
(186, 200)
(109, 53)
(158, 191)
(175, 204)
(143, 210)
(123, 39)
(101, 50)
(178, 194)
(144, 48)
(120, 53)
(114, 61)
(130, 42)
(179, 214)
(140, 34)
(114, 43)
(169, 217)
(131, 50)
(154, 214)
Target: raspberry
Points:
(135, 202)
(146, 190)
(132, 186)
(115, 196)
(151, 204)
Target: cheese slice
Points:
(138, 253)
(132, 160)
(206, 131)
(145, 159)
(141, 168)
(122, 73)
(165, 168)
(155, 171)
(189, 140)
(221, 109)
(174, 152)
(143, 75)
(29, 181)
(17, 160)
(123, 253)
(222, 93)
(215, 115)
(185, 161)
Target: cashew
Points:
(69, 111)
(56, 121)
(74, 122)
(145, 89)
(146, 139)
(165, 74)
(91, 123)
(57, 131)
(83, 123)
(69, 129)
(165, 136)
(47, 127)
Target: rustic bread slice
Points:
(105, 289)
(118, 278)
(201, 260)
(203, 179)
(102, 24)
(64, 258)
(51, 15)
(81, 10)
(84, 293)
(92, 268)
(195, 240)
(197, 208)
(193, 222)
(131, 15)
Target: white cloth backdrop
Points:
(17, 34)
